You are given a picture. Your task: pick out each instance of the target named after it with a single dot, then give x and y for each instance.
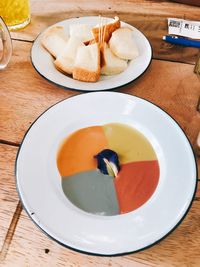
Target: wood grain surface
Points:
(21, 88)
(169, 83)
(172, 86)
(8, 194)
(148, 16)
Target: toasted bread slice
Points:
(111, 64)
(82, 31)
(87, 63)
(106, 30)
(54, 40)
(123, 45)
(65, 60)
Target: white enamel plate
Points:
(43, 61)
(39, 183)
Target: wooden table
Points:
(24, 95)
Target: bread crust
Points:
(51, 51)
(89, 42)
(85, 75)
(63, 68)
(108, 28)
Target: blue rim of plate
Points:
(98, 254)
(87, 91)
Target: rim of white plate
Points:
(100, 235)
(42, 61)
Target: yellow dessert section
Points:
(128, 143)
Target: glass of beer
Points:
(15, 13)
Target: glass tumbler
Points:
(6, 45)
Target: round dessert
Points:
(105, 194)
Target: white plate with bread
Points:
(91, 53)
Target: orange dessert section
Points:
(76, 153)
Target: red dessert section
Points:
(136, 183)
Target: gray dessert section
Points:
(92, 192)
